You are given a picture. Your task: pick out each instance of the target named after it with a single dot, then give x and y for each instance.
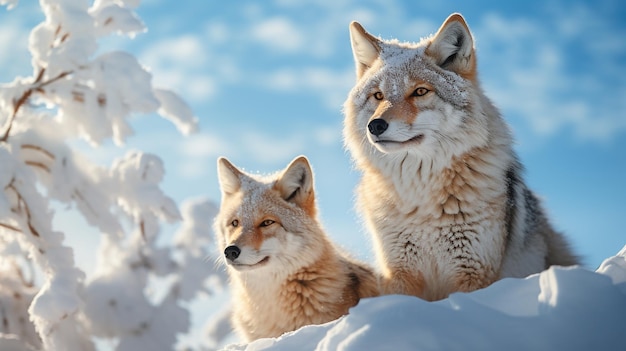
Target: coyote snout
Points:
(377, 126)
(232, 252)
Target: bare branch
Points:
(10, 227)
(40, 149)
(28, 221)
(80, 197)
(40, 75)
(22, 204)
(17, 104)
(78, 96)
(142, 228)
(39, 165)
(29, 283)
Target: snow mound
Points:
(558, 309)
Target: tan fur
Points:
(290, 274)
(441, 188)
(470, 72)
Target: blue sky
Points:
(267, 81)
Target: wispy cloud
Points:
(263, 148)
(195, 152)
(14, 34)
(528, 70)
(179, 63)
(197, 149)
(231, 50)
(329, 85)
(562, 74)
(279, 33)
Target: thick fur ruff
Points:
(284, 271)
(442, 190)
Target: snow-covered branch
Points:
(73, 95)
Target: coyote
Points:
(284, 271)
(442, 190)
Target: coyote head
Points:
(267, 223)
(415, 98)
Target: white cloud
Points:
(188, 84)
(8, 35)
(204, 145)
(284, 79)
(198, 151)
(328, 135)
(417, 29)
(278, 33)
(196, 64)
(179, 63)
(200, 87)
(524, 60)
(525, 71)
(184, 50)
(10, 4)
(13, 40)
(332, 86)
(493, 25)
(269, 149)
(252, 11)
(217, 32)
(316, 41)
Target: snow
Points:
(72, 95)
(401, 57)
(112, 18)
(559, 309)
(48, 303)
(177, 111)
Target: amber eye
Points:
(235, 223)
(267, 223)
(378, 95)
(421, 91)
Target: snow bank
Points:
(558, 309)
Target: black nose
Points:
(377, 126)
(232, 252)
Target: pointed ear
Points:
(229, 176)
(453, 47)
(365, 48)
(295, 184)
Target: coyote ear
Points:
(295, 184)
(453, 47)
(365, 48)
(229, 176)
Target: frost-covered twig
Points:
(17, 103)
(74, 94)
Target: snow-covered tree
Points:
(77, 95)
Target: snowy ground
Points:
(559, 309)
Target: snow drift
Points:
(558, 309)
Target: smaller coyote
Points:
(285, 272)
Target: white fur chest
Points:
(426, 218)
(250, 301)
(274, 305)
